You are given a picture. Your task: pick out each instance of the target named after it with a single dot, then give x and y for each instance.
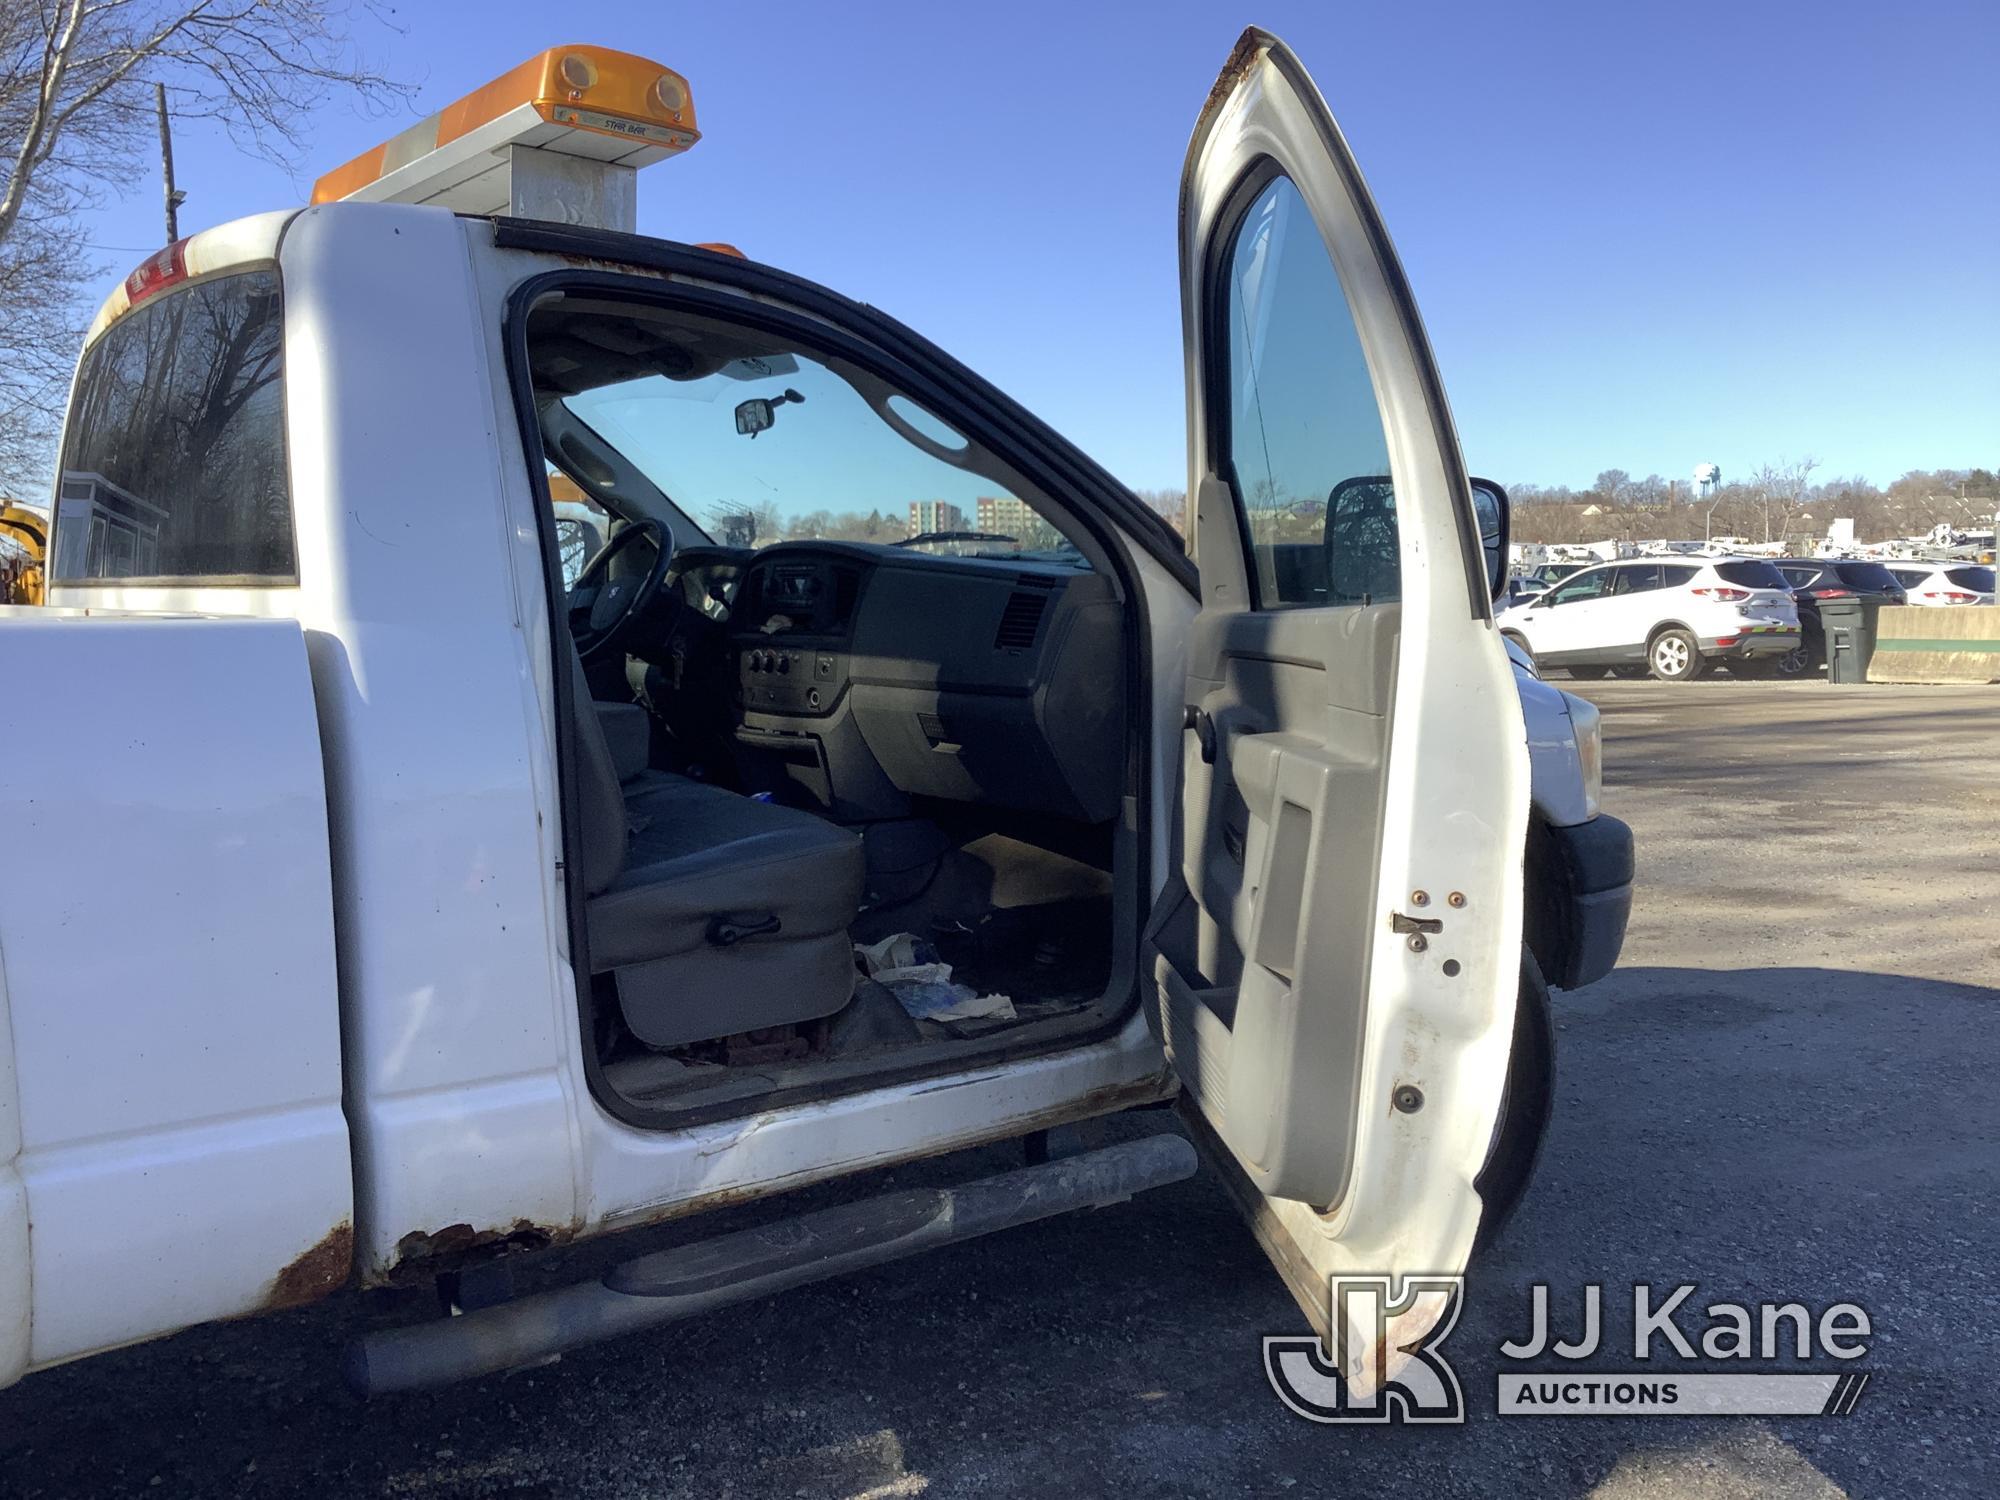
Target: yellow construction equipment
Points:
(24, 545)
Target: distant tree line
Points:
(1776, 501)
(740, 524)
(737, 524)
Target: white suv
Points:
(1671, 616)
(1943, 584)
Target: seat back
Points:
(600, 803)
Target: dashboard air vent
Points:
(1020, 620)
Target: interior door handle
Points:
(1197, 719)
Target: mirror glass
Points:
(753, 416)
(1489, 503)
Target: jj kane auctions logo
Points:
(1385, 1364)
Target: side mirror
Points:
(1489, 503)
(760, 413)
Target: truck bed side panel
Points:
(166, 932)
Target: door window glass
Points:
(582, 525)
(1636, 578)
(1582, 586)
(1677, 575)
(1306, 448)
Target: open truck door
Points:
(1336, 975)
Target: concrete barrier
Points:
(1917, 643)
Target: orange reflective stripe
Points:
(530, 83)
(355, 175)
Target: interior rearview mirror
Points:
(1489, 503)
(760, 412)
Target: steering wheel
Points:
(603, 609)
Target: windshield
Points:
(759, 442)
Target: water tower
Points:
(1707, 479)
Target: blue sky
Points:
(1642, 237)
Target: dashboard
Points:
(866, 676)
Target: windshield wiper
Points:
(955, 536)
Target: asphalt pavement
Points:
(1786, 1091)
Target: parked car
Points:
(449, 906)
(1943, 584)
(1813, 579)
(1672, 617)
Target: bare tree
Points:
(1169, 505)
(76, 76)
(39, 331)
(77, 81)
(1783, 491)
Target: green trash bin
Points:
(1850, 625)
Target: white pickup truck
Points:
(384, 900)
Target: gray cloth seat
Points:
(713, 913)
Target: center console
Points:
(790, 631)
(869, 676)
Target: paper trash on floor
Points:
(909, 968)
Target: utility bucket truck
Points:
(452, 821)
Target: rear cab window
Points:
(173, 460)
(1752, 574)
(1866, 575)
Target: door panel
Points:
(1574, 618)
(1634, 605)
(1282, 864)
(1354, 759)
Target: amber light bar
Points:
(588, 104)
